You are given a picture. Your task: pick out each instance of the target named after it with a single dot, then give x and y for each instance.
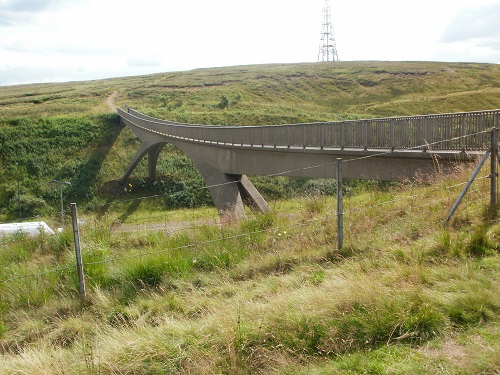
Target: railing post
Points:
(428, 127)
(342, 140)
(365, 134)
(392, 135)
(340, 209)
(462, 133)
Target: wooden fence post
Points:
(79, 264)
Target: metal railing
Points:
(409, 132)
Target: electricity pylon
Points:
(327, 46)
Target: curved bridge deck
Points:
(392, 149)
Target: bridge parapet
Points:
(439, 132)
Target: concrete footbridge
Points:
(389, 149)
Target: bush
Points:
(224, 102)
(30, 205)
(479, 245)
(147, 273)
(27, 149)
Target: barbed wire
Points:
(226, 238)
(375, 205)
(38, 274)
(198, 244)
(231, 182)
(345, 213)
(250, 233)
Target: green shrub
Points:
(473, 307)
(27, 148)
(479, 245)
(224, 102)
(145, 273)
(30, 205)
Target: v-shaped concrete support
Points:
(153, 151)
(229, 191)
(251, 195)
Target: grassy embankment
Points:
(271, 295)
(65, 131)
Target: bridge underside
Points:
(225, 167)
(230, 191)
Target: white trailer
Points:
(34, 228)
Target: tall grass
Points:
(270, 295)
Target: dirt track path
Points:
(110, 101)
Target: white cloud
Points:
(473, 33)
(21, 12)
(82, 39)
(474, 23)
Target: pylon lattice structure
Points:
(328, 46)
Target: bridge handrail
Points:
(380, 133)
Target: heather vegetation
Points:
(66, 131)
(171, 291)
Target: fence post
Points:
(467, 186)
(79, 264)
(340, 209)
(494, 173)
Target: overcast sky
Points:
(68, 40)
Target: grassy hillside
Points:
(270, 94)
(169, 291)
(66, 131)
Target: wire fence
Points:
(393, 206)
(379, 207)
